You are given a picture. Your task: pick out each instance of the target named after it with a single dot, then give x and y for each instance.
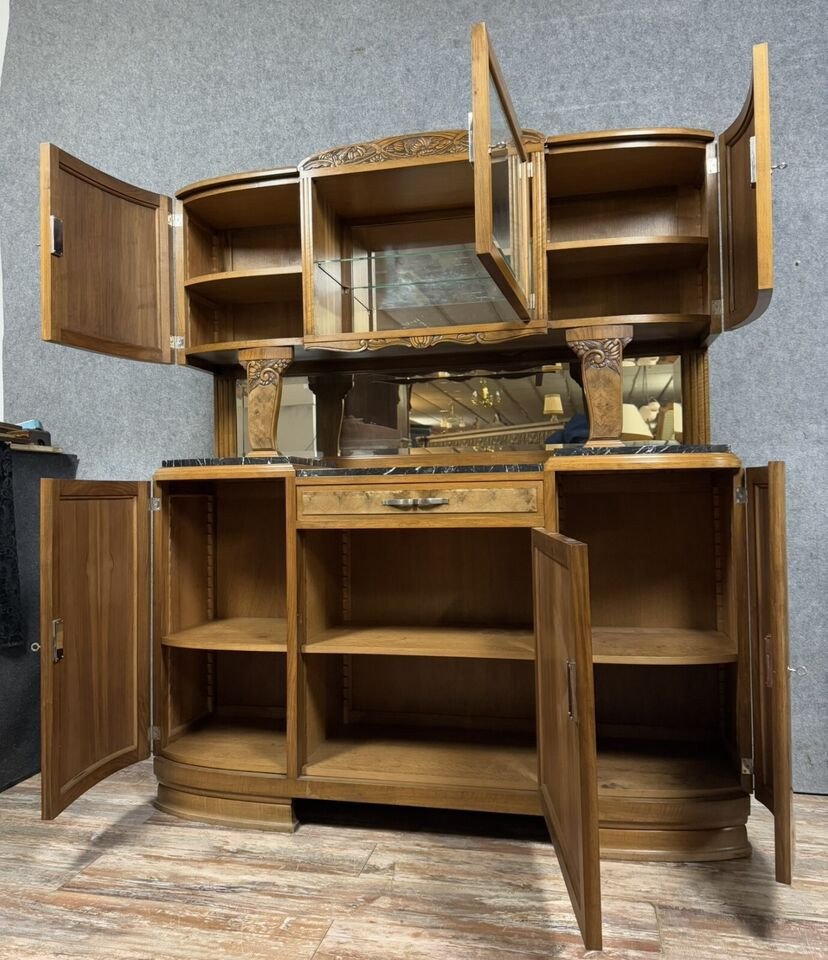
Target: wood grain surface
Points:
(115, 878)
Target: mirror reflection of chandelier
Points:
(483, 396)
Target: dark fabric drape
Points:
(11, 612)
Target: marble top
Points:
(579, 450)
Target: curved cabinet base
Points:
(679, 846)
(256, 814)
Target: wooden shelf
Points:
(664, 769)
(227, 353)
(266, 203)
(252, 634)
(426, 756)
(660, 646)
(481, 642)
(649, 326)
(251, 745)
(249, 286)
(586, 258)
(609, 165)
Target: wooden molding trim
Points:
(695, 396)
(225, 435)
(409, 146)
(423, 342)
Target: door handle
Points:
(404, 503)
(56, 634)
(572, 702)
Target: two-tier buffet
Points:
(480, 632)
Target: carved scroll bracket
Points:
(265, 368)
(601, 351)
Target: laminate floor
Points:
(113, 878)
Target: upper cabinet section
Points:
(745, 184)
(240, 265)
(502, 205)
(105, 278)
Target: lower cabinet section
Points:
(611, 677)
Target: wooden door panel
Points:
(105, 261)
(94, 589)
(745, 189)
(768, 620)
(567, 760)
(502, 205)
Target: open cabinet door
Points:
(502, 206)
(745, 187)
(768, 597)
(94, 634)
(105, 265)
(567, 759)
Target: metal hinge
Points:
(747, 765)
(716, 308)
(740, 495)
(176, 343)
(154, 734)
(712, 165)
(752, 143)
(175, 219)
(155, 504)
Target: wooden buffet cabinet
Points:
(599, 637)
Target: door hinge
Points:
(712, 165)
(752, 144)
(155, 504)
(747, 765)
(740, 495)
(716, 308)
(175, 219)
(154, 734)
(176, 343)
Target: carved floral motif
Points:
(263, 373)
(423, 341)
(601, 353)
(405, 147)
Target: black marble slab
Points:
(579, 450)
(241, 461)
(421, 470)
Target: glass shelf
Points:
(423, 287)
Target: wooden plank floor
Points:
(113, 878)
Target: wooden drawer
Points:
(518, 503)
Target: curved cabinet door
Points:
(768, 620)
(94, 634)
(502, 204)
(745, 186)
(105, 267)
(567, 756)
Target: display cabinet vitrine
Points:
(600, 638)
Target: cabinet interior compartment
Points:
(226, 709)
(226, 559)
(635, 221)
(223, 632)
(418, 656)
(664, 639)
(394, 250)
(243, 264)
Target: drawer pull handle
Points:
(404, 503)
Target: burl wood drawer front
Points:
(518, 504)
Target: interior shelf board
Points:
(226, 353)
(610, 166)
(661, 646)
(251, 634)
(664, 769)
(250, 745)
(427, 757)
(249, 286)
(584, 258)
(661, 325)
(427, 641)
(241, 205)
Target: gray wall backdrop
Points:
(166, 92)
